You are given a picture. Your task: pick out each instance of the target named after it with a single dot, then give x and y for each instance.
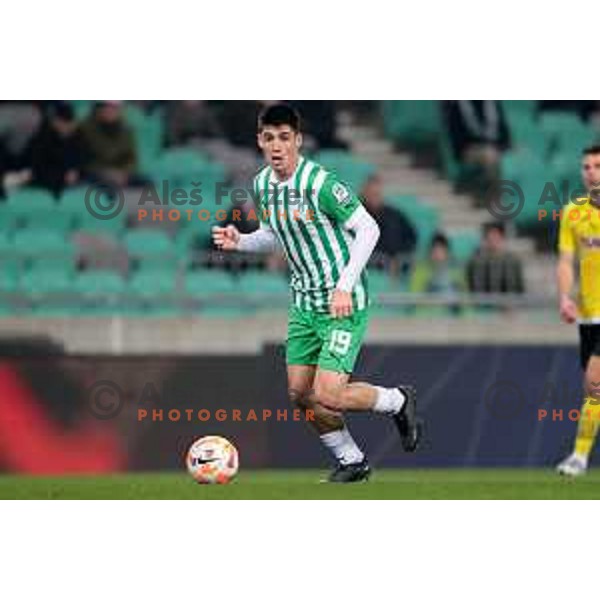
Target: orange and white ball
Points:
(212, 459)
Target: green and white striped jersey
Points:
(307, 214)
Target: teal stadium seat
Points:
(28, 201)
(463, 245)
(565, 131)
(42, 242)
(412, 122)
(344, 165)
(211, 287)
(149, 244)
(9, 220)
(149, 133)
(424, 218)
(269, 290)
(56, 220)
(380, 283)
(155, 292)
(39, 281)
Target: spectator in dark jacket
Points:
(493, 269)
(109, 146)
(188, 121)
(397, 235)
(319, 122)
(54, 153)
(478, 135)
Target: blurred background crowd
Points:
(423, 168)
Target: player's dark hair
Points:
(276, 115)
(595, 149)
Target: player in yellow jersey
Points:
(579, 242)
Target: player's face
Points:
(591, 171)
(280, 145)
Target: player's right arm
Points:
(565, 271)
(229, 238)
(261, 240)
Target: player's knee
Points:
(592, 384)
(329, 397)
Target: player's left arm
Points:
(341, 204)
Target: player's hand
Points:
(568, 310)
(341, 304)
(226, 238)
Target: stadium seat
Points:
(564, 131)
(213, 288)
(182, 167)
(101, 292)
(149, 243)
(6, 242)
(424, 218)
(412, 122)
(346, 167)
(39, 281)
(34, 242)
(99, 283)
(8, 279)
(8, 219)
(148, 131)
(526, 135)
(463, 245)
(56, 220)
(515, 164)
(193, 236)
(209, 282)
(380, 283)
(26, 201)
(151, 283)
(270, 290)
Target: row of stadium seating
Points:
(29, 231)
(51, 291)
(545, 148)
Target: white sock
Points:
(342, 446)
(389, 401)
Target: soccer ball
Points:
(212, 459)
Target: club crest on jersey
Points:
(341, 194)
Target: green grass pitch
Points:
(384, 484)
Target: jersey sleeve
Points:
(337, 200)
(566, 236)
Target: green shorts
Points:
(319, 339)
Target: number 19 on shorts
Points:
(340, 341)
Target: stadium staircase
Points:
(458, 218)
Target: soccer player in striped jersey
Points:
(327, 237)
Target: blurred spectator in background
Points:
(319, 122)
(398, 237)
(189, 121)
(238, 121)
(19, 120)
(493, 269)
(54, 152)
(438, 274)
(109, 146)
(11, 172)
(479, 135)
